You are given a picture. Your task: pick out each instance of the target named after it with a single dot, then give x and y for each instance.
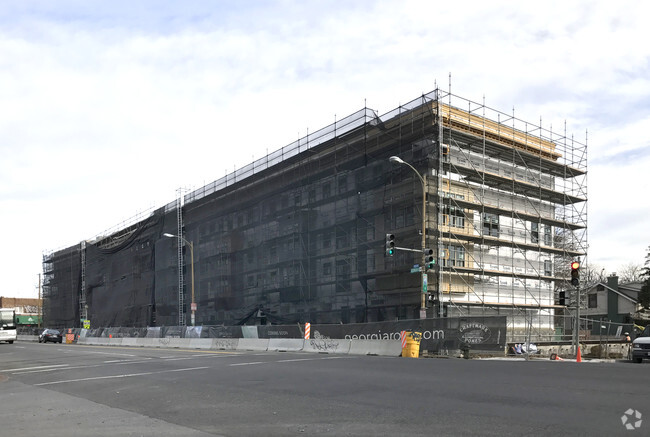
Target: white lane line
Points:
(36, 367)
(124, 375)
(249, 364)
(88, 366)
(105, 353)
(297, 359)
(309, 359)
(286, 361)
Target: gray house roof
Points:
(629, 291)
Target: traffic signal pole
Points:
(575, 281)
(423, 179)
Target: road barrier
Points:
(253, 344)
(321, 345)
(327, 346)
(286, 344)
(391, 348)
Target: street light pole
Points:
(423, 179)
(189, 243)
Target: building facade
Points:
(300, 235)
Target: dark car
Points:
(52, 335)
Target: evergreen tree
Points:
(644, 294)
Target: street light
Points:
(193, 304)
(423, 179)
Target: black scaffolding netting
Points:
(61, 287)
(121, 275)
(299, 235)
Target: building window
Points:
(327, 240)
(327, 191)
(534, 232)
(343, 184)
(453, 216)
(592, 300)
(327, 269)
(548, 268)
(341, 241)
(342, 270)
(453, 256)
(547, 235)
(490, 225)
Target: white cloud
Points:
(107, 112)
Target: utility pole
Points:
(39, 307)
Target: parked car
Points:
(52, 335)
(641, 346)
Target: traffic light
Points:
(561, 298)
(390, 244)
(575, 273)
(429, 261)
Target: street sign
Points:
(416, 269)
(424, 282)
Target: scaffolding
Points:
(512, 198)
(299, 234)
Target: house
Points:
(613, 303)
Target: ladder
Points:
(181, 245)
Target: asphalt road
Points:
(69, 390)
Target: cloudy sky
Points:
(107, 108)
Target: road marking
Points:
(298, 359)
(124, 375)
(36, 367)
(107, 353)
(86, 366)
(286, 361)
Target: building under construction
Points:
(302, 234)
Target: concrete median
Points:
(200, 343)
(286, 344)
(389, 348)
(229, 344)
(327, 345)
(253, 344)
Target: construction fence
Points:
(438, 335)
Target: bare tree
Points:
(630, 272)
(592, 273)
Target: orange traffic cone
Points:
(579, 356)
(557, 358)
